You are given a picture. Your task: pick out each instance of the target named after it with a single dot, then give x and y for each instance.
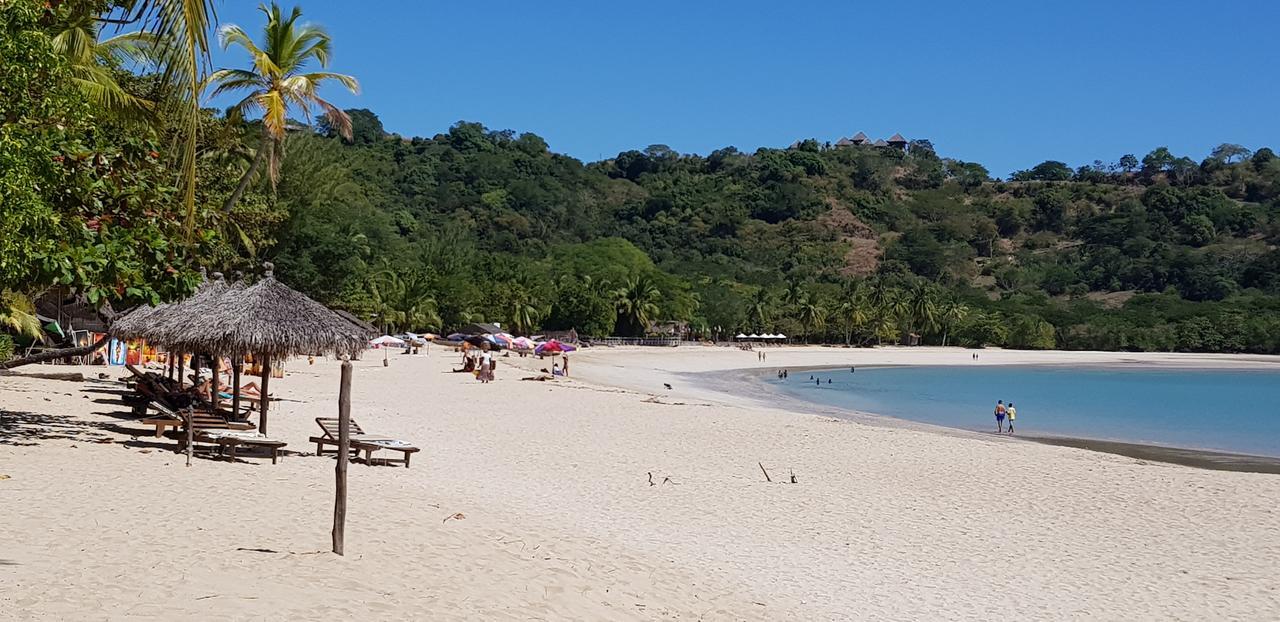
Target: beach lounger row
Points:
(228, 433)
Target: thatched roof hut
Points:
(151, 322)
(135, 323)
(267, 319)
(359, 323)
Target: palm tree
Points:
(812, 316)
(637, 302)
(91, 60)
(854, 314)
(923, 312)
(278, 83)
(950, 313)
(521, 311)
(18, 314)
(403, 301)
(885, 326)
(761, 310)
(889, 308)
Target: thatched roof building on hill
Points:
(897, 141)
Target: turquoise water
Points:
(1235, 411)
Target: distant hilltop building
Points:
(861, 140)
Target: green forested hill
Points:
(856, 244)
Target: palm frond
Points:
(181, 28)
(135, 48)
(100, 88)
(319, 77)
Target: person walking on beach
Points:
(1000, 413)
(1013, 414)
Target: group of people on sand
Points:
(1005, 412)
(482, 361)
(479, 362)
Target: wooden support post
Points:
(191, 433)
(262, 401)
(182, 364)
(235, 383)
(344, 453)
(215, 397)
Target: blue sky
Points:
(1006, 84)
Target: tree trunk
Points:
(54, 355)
(258, 159)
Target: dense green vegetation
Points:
(850, 244)
(857, 245)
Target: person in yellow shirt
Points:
(1012, 413)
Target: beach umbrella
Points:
(523, 343)
(387, 340)
(479, 340)
(780, 336)
(553, 347)
(740, 336)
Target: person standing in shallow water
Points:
(1013, 414)
(1000, 414)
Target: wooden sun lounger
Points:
(202, 420)
(361, 442)
(229, 440)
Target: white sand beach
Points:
(532, 500)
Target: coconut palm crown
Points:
(279, 83)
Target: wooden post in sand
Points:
(191, 433)
(215, 397)
(262, 401)
(182, 364)
(235, 384)
(344, 450)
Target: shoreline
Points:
(1211, 460)
(764, 394)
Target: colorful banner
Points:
(117, 352)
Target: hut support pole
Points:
(263, 402)
(235, 383)
(191, 432)
(344, 452)
(215, 397)
(182, 364)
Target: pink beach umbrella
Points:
(553, 347)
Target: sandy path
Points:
(560, 522)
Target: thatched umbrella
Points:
(268, 320)
(159, 324)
